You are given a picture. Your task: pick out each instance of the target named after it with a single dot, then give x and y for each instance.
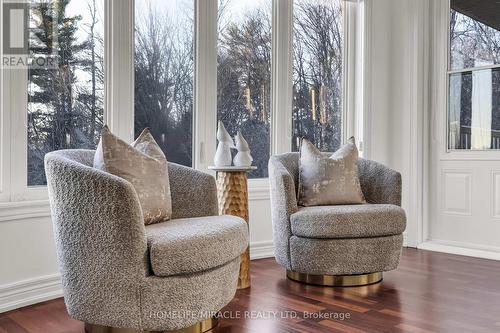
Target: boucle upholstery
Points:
(194, 193)
(283, 204)
(380, 185)
(345, 256)
(196, 244)
(348, 221)
(189, 298)
(103, 254)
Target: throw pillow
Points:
(329, 180)
(144, 165)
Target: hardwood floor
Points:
(430, 292)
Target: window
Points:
(65, 103)
(164, 70)
(318, 73)
(177, 67)
(474, 77)
(244, 75)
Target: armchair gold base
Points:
(199, 327)
(335, 280)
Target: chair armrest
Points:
(194, 193)
(283, 204)
(98, 225)
(380, 184)
(100, 239)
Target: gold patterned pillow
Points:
(144, 165)
(329, 180)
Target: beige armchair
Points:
(121, 276)
(342, 245)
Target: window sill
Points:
(258, 189)
(11, 211)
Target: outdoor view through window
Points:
(244, 74)
(474, 76)
(318, 73)
(65, 103)
(164, 72)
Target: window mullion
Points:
(473, 69)
(18, 110)
(119, 64)
(281, 121)
(349, 75)
(205, 109)
(5, 130)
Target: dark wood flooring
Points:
(429, 292)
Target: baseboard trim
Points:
(261, 250)
(464, 249)
(258, 189)
(405, 239)
(12, 211)
(28, 292)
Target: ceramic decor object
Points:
(243, 158)
(223, 154)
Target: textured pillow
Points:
(144, 165)
(330, 180)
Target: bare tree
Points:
(318, 64)
(163, 80)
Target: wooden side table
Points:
(232, 194)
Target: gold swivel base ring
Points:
(335, 280)
(199, 327)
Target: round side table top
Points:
(232, 168)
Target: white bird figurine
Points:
(243, 157)
(223, 153)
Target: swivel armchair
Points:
(119, 275)
(342, 245)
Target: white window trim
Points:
(4, 142)
(352, 116)
(119, 67)
(119, 97)
(16, 99)
(4, 130)
(440, 76)
(453, 152)
(205, 96)
(282, 77)
(363, 74)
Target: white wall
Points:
(261, 228)
(27, 249)
(395, 102)
(28, 265)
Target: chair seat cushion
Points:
(191, 245)
(348, 221)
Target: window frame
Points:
(449, 73)
(119, 38)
